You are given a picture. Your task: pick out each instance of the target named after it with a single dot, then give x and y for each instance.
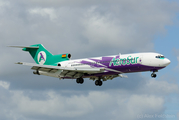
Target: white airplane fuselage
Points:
(96, 68)
(116, 64)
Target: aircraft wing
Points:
(66, 71)
(72, 72)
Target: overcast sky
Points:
(88, 28)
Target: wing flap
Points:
(47, 68)
(108, 77)
(44, 69)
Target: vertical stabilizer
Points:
(44, 57)
(39, 54)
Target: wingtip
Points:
(24, 47)
(123, 76)
(15, 46)
(20, 63)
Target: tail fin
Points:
(44, 57)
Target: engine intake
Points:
(69, 56)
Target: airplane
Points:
(98, 69)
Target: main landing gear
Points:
(80, 80)
(98, 82)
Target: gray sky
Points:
(84, 29)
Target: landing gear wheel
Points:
(98, 82)
(80, 80)
(153, 75)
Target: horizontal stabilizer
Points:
(24, 47)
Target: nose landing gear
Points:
(153, 75)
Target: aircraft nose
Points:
(167, 62)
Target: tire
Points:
(78, 80)
(96, 82)
(81, 80)
(100, 83)
(153, 75)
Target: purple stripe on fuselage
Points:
(133, 68)
(128, 69)
(104, 62)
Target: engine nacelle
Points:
(67, 55)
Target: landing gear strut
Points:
(98, 82)
(80, 80)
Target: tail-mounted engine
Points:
(68, 56)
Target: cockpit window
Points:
(160, 56)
